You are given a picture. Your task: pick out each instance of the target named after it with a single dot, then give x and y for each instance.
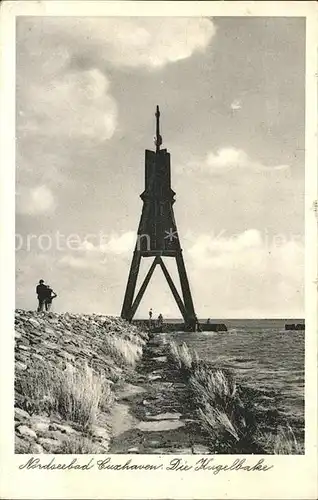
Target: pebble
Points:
(48, 443)
(160, 359)
(66, 355)
(49, 331)
(40, 426)
(20, 414)
(64, 428)
(165, 416)
(163, 425)
(154, 377)
(200, 449)
(36, 448)
(49, 345)
(20, 366)
(23, 347)
(33, 322)
(99, 432)
(133, 450)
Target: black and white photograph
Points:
(160, 239)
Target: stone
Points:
(63, 428)
(20, 366)
(160, 359)
(165, 416)
(20, 414)
(163, 425)
(40, 426)
(103, 445)
(49, 331)
(40, 418)
(34, 322)
(153, 377)
(99, 432)
(17, 335)
(23, 347)
(36, 448)
(49, 443)
(133, 450)
(200, 449)
(127, 390)
(38, 356)
(66, 355)
(24, 430)
(49, 345)
(153, 443)
(36, 332)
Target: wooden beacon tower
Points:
(157, 235)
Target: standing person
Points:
(160, 320)
(150, 317)
(41, 291)
(49, 298)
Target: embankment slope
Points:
(66, 366)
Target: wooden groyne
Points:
(178, 327)
(295, 326)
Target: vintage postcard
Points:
(159, 250)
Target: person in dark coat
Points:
(41, 291)
(50, 295)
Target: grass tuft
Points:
(182, 355)
(77, 445)
(122, 351)
(76, 394)
(228, 413)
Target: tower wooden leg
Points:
(131, 286)
(187, 298)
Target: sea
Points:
(260, 352)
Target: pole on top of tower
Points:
(158, 138)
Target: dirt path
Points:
(153, 415)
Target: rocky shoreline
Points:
(96, 384)
(149, 411)
(66, 370)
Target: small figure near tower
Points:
(157, 235)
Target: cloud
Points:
(34, 201)
(250, 271)
(69, 105)
(228, 159)
(236, 104)
(124, 41)
(64, 87)
(94, 254)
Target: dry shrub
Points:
(122, 351)
(182, 356)
(283, 442)
(77, 445)
(76, 394)
(35, 389)
(214, 385)
(217, 423)
(219, 410)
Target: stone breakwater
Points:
(96, 354)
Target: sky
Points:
(231, 93)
